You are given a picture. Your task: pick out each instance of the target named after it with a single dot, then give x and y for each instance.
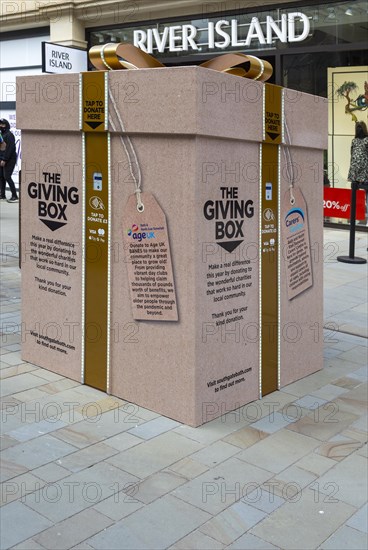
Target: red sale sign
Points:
(336, 203)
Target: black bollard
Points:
(351, 259)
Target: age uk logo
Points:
(135, 234)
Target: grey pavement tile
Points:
(324, 422)
(188, 468)
(347, 403)
(315, 463)
(33, 394)
(329, 392)
(350, 321)
(123, 441)
(232, 522)
(250, 542)
(221, 486)
(6, 442)
(158, 485)
(359, 374)
(18, 369)
(291, 476)
(351, 488)
(48, 375)
(144, 414)
(345, 341)
(217, 429)
(262, 499)
(363, 451)
(273, 422)
(59, 386)
(13, 416)
(347, 382)
(27, 522)
(74, 530)
(51, 472)
(12, 358)
(37, 452)
(84, 489)
(155, 454)
(33, 430)
(12, 347)
(310, 402)
(246, 437)
(359, 520)
(91, 430)
(197, 541)
(10, 469)
(120, 505)
(346, 538)
(17, 487)
(29, 544)
(308, 385)
(341, 445)
(86, 457)
(329, 353)
(165, 521)
(154, 427)
(304, 523)
(278, 451)
(15, 384)
(358, 354)
(215, 454)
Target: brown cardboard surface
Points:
(224, 344)
(301, 348)
(52, 317)
(48, 102)
(197, 138)
(306, 116)
(197, 101)
(162, 381)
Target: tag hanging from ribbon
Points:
(114, 56)
(148, 260)
(295, 235)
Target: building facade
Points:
(303, 40)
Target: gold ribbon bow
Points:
(126, 56)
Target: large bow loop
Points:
(114, 56)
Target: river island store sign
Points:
(225, 33)
(62, 59)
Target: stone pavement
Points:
(84, 470)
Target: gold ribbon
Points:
(126, 56)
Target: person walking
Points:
(358, 170)
(8, 159)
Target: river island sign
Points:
(224, 34)
(62, 59)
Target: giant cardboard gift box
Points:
(209, 298)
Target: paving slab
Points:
(287, 471)
(165, 521)
(18, 523)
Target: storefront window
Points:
(307, 72)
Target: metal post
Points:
(351, 259)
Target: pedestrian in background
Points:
(8, 159)
(358, 170)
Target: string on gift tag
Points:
(290, 174)
(130, 152)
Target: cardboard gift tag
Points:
(296, 246)
(148, 258)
